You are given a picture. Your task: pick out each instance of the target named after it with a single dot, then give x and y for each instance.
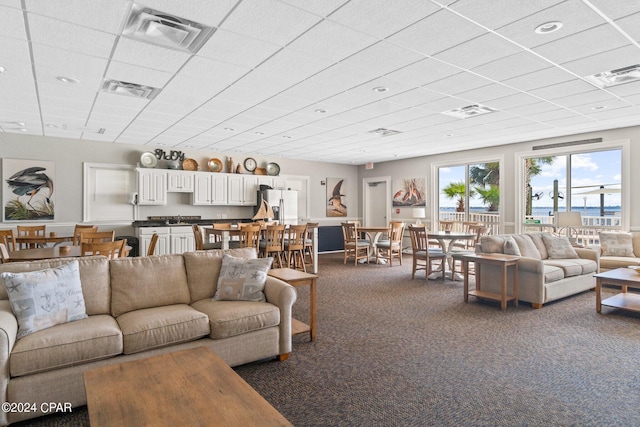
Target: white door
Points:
(377, 202)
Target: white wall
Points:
(70, 154)
(421, 166)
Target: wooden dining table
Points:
(50, 252)
(446, 240)
(43, 240)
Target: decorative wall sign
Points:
(27, 189)
(409, 192)
(336, 197)
(173, 155)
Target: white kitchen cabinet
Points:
(242, 190)
(180, 181)
(210, 189)
(182, 240)
(289, 183)
(164, 243)
(152, 187)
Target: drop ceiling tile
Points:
(322, 8)
(73, 37)
(191, 91)
(15, 53)
(512, 66)
(513, 101)
(605, 61)
(12, 23)
(292, 66)
(630, 25)
(495, 14)
(148, 55)
(327, 40)
(381, 18)
(485, 94)
(478, 51)
(433, 34)
(54, 62)
(194, 10)
(136, 74)
(284, 103)
(415, 97)
(590, 97)
(533, 108)
(237, 49)
(382, 57)
(270, 21)
(264, 113)
(539, 79)
(595, 106)
(126, 103)
(616, 9)
(559, 90)
(423, 72)
(626, 89)
(458, 83)
(204, 68)
(444, 104)
(586, 43)
(551, 115)
(632, 111)
(575, 16)
(513, 122)
(64, 94)
(104, 15)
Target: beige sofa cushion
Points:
(203, 269)
(552, 273)
(536, 238)
(558, 247)
(146, 282)
(616, 244)
(612, 262)
(161, 326)
(635, 237)
(231, 318)
(569, 268)
(94, 338)
(492, 244)
(94, 278)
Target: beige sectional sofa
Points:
(549, 267)
(618, 250)
(137, 307)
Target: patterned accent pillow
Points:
(616, 243)
(45, 298)
(242, 279)
(559, 247)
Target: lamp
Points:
(568, 220)
(419, 213)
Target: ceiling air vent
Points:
(130, 89)
(469, 111)
(616, 77)
(385, 132)
(161, 28)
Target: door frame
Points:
(366, 182)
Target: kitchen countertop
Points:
(184, 222)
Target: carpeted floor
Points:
(392, 351)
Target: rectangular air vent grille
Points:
(157, 27)
(130, 89)
(616, 77)
(385, 132)
(469, 111)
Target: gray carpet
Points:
(395, 352)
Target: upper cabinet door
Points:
(152, 187)
(180, 181)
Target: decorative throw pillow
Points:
(559, 247)
(242, 279)
(511, 247)
(45, 298)
(616, 243)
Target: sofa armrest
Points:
(8, 333)
(532, 265)
(589, 253)
(283, 295)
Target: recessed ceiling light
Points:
(229, 129)
(548, 27)
(1, 70)
(321, 111)
(22, 130)
(21, 124)
(52, 125)
(64, 79)
(380, 89)
(449, 135)
(470, 111)
(259, 133)
(286, 136)
(599, 107)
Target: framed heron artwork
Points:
(409, 192)
(336, 195)
(27, 190)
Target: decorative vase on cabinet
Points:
(230, 164)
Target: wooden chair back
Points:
(294, 246)
(31, 231)
(8, 238)
(4, 254)
(396, 230)
(197, 234)
(79, 229)
(419, 241)
(423, 258)
(446, 225)
(111, 250)
(353, 245)
(274, 243)
(97, 236)
(250, 236)
(309, 242)
(152, 244)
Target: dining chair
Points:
(152, 244)
(9, 239)
(4, 254)
(81, 228)
(97, 236)
(468, 246)
(353, 245)
(273, 244)
(197, 235)
(111, 250)
(310, 242)
(294, 247)
(391, 247)
(423, 256)
(250, 236)
(31, 231)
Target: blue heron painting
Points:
(28, 191)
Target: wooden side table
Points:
(300, 278)
(504, 261)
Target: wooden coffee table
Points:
(624, 277)
(186, 388)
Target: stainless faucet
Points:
(179, 219)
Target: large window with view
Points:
(588, 183)
(470, 193)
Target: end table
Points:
(300, 278)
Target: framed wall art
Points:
(27, 190)
(336, 197)
(409, 192)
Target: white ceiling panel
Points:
(306, 70)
